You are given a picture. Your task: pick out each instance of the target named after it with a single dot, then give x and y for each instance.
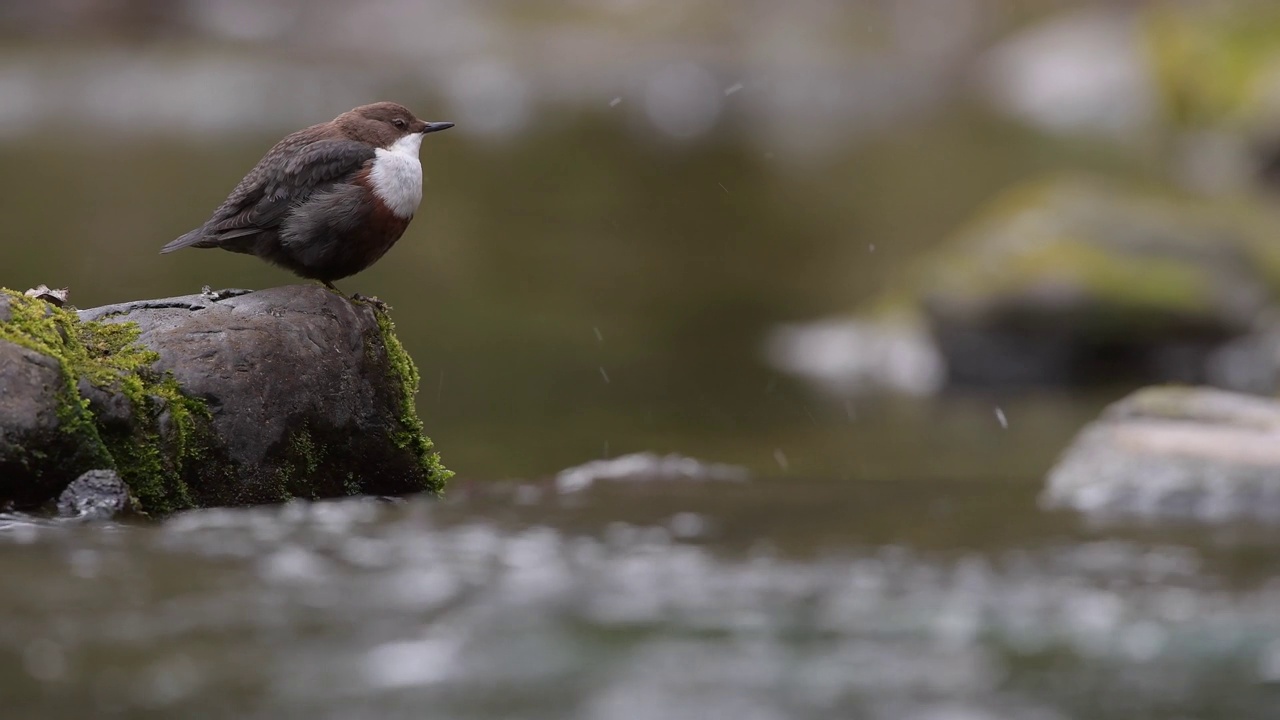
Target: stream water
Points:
(643, 599)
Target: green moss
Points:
(305, 448)
(1120, 282)
(166, 441)
(1212, 64)
(407, 431)
(1125, 258)
(151, 455)
(53, 332)
(303, 456)
(286, 477)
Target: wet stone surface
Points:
(299, 386)
(95, 495)
(29, 419)
(1175, 452)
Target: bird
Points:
(327, 201)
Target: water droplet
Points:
(781, 458)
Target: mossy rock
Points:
(1072, 280)
(1215, 64)
(203, 401)
(60, 376)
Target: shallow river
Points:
(745, 599)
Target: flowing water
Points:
(643, 599)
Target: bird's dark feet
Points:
(371, 300)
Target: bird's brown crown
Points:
(379, 124)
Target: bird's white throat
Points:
(397, 175)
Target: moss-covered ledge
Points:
(205, 400)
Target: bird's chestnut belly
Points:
(363, 245)
(339, 233)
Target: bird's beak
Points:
(436, 127)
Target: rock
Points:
(844, 357)
(1175, 452)
(96, 495)
(44, 441)
(216, 399)
(49, 295)
(1072, 282)
(1201, 75)
(1250, 363)
(1214, 71)
(647, 467)
(1080, 71)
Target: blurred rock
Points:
(846, 357)
(646, 467)
(1081, 71)
(1215, 71)
(1250, 363)
(211, 400)
(1063, 282)
(1215, 63)
(1070, 282)
(96, 495)
(1175, 452)
(1202, 76)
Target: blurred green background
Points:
(636, 192)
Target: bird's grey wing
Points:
(291, 172)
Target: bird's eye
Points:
(400, 123)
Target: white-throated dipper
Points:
(329, 200)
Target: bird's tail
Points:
(191, 238)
